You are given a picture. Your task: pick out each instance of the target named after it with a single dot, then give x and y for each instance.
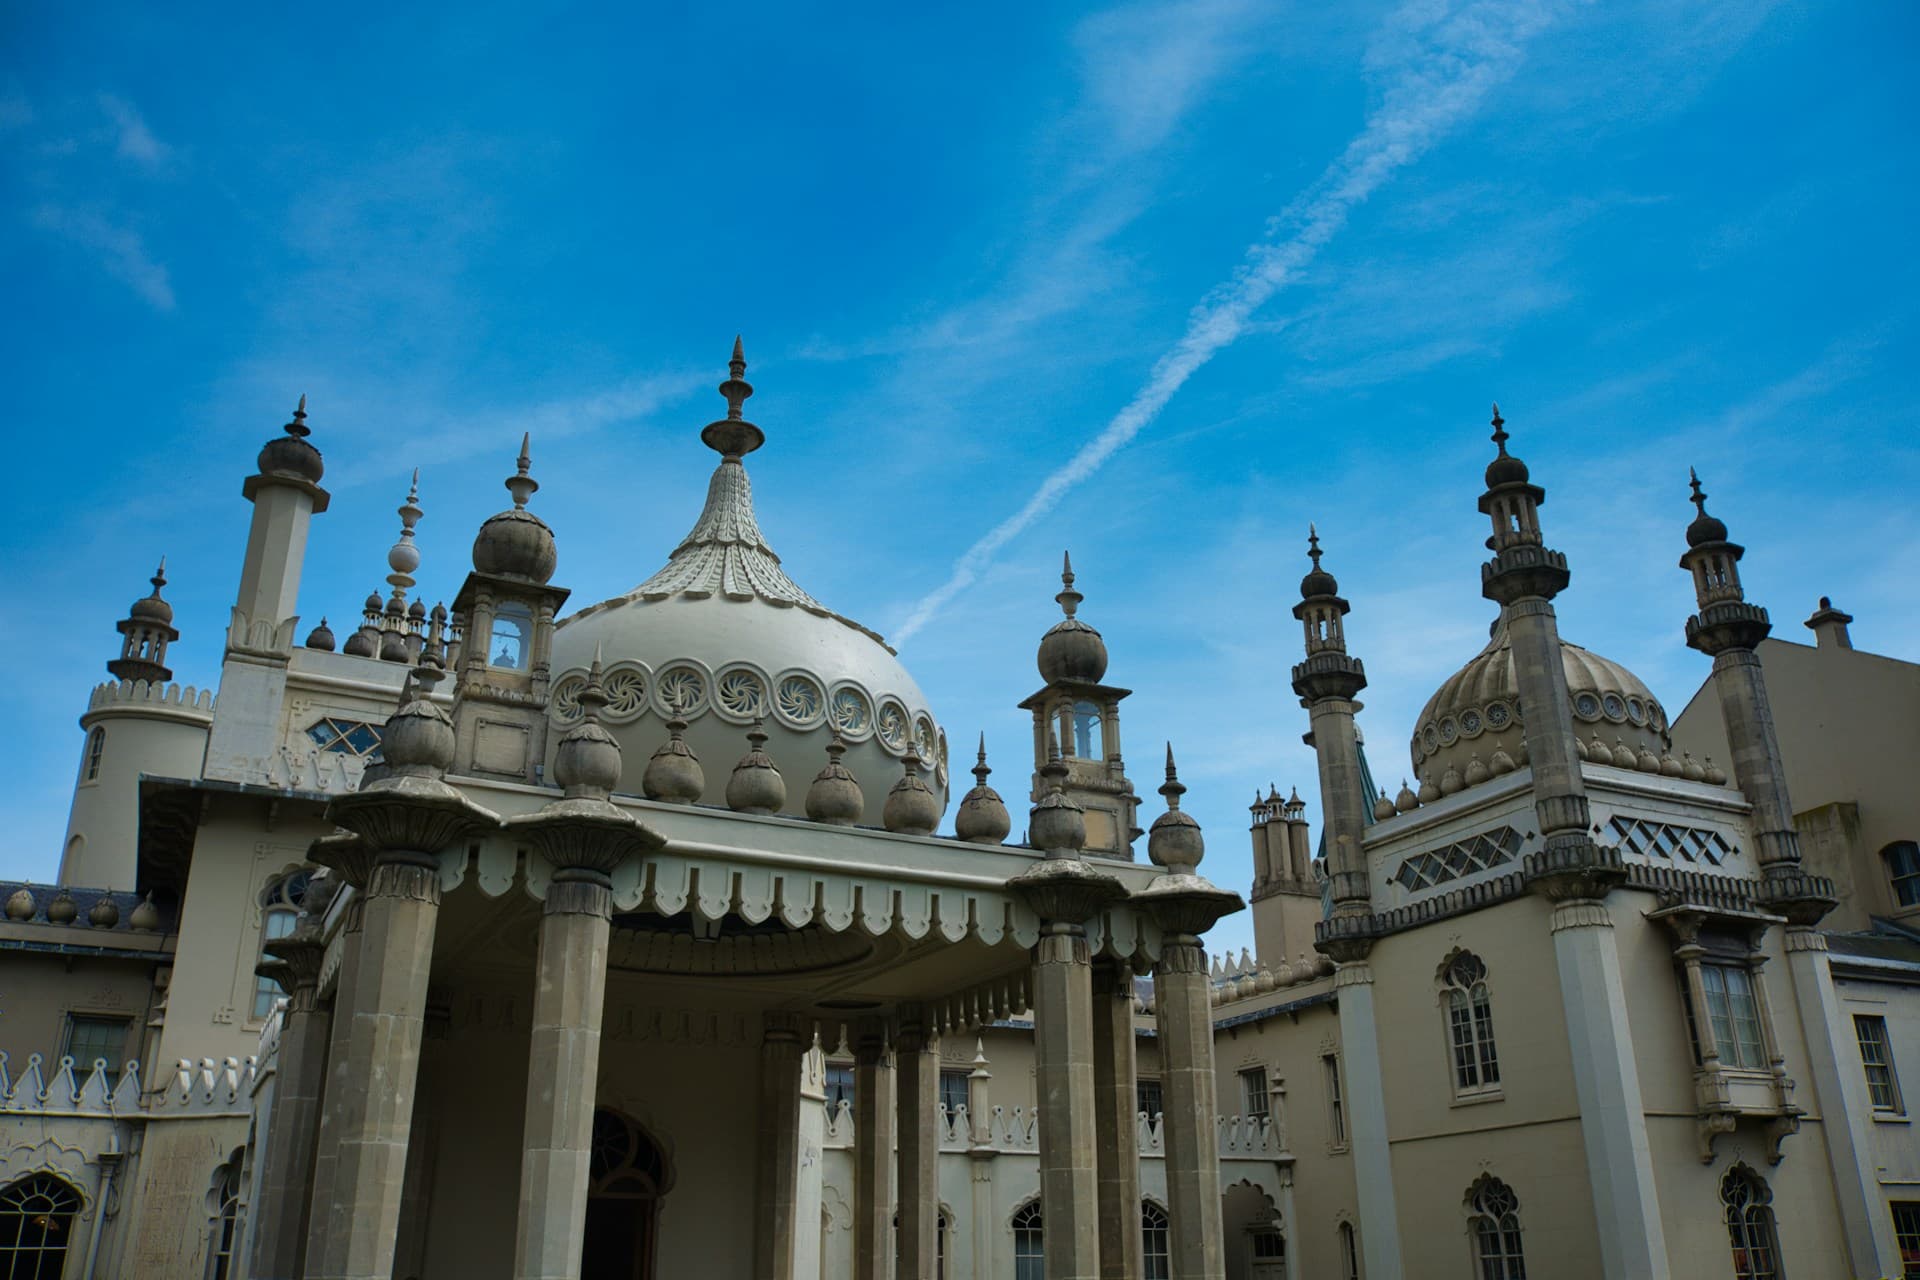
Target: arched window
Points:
(1463, 994)
(223, 1210)
(1749, 1202)
(941, 1226)
(1156, 1252)
(629, 1175)
(280, 905)
(1088, 742)
(36, 1222)
(96, 748)
(1029, 1255)
(1349, 1253)
(1903, 864)
(1493, 1220)
(508, 646)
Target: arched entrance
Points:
(629, 1175)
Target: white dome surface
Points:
(725, 636)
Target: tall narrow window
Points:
(1906, 1235)
(1269, 1253)
(1903, 865)
(508, 645)
(1253, 1093)
(1336, 1108)
(1876, 1056)
(839, 1085)
(93, 1039)
(280, 904)
(1087, 744)
(1147, 1092)
(1493, 1219)
(1463, 992)
(953, 1092)
(96, 748)
(223, 1203)
(1734, 1014)
(1749, 1204)
(1029, 1255)
(36, 1225)
(1156, 1252)
(1349, 1253)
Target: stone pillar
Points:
(1365, 1096)
(1840, 1088)
(388, 1019)
(341, 1098)
(1063, 1074)
(980, 1157)
(1116, 1104)
(872, 1152)
(1559, 792)
(280, 1214)
(783, 1045)
(917, 1064)
(1191, 1129)
(563, 1069)
(1613, 1118)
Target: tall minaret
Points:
(1729, 630)
(146, 632)
(286, 494)
(1328, 682)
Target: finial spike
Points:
(1313, 544)
(159, 578)
(1172, 788)
(298, 427)
(1068, 598)
(1699, 498)
(1499, 430)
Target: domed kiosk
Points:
(722, 639)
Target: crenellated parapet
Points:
(172, 700)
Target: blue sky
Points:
(1159, 283)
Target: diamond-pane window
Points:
(1670, 842)
(1462, 858)
(348, 737)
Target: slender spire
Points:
(1069, 598)
(1499, 430)
(403, 557)
(521, 483)
(1172, 788)
(298, 427)
(733, 437)
(1313, 544)
(1699, 498)
(1175, 841)
(981, 771)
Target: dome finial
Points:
(159, 578)
(1499, 429)
(1699, 498)
(1069, 598)
(1704, 528)
(521, 483)
(1318, 581)
(981, 772)
(1174, 841)
(733, 437)
(983, 817)
(593, 695)
(1313, 544)
(1172, 788)
(298, 428)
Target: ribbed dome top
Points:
(1476, 711)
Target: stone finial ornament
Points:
(516, 543)
(756, 785)
(1071, 650)
(1705, 528)
(63, 909)
(321, 637)
(291, 455)
(983, 817)
(674, 775)
(733, 437)
(145, 917)
(587, 761)
(1056, 825)
(1406, 801)
(403, 557)
(1505, 468)
(20, 904)
(365, 642)
(1383, 808)
(911, 809)
(104, 913)
(1174, 841)
(1428, 792)
(835, 797)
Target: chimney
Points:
(1829, 626)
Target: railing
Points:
(1017, 1130)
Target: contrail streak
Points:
(1441, 61)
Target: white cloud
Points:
(1146, 65)
(1438, 65)
(118, 249)
(133, 139)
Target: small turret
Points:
(983, 817)
(146, 632)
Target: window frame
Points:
(1902, 861)
(71, 1022)
(279, 902)
(949, 1076)
(1256, 1097)
(1349, 1244)
(1155, 1227)
(1494, 1234)
(224, 1233)
(63, 1201)
(1466, 1013)
(94, 752)
(1029, 1226)
(1337, 1139)
(1751, 1226)
(837, 1084)
(520, 619)
(1882, 1044)
(1738, 1035)
(1906, 1234)
(1141, 1086)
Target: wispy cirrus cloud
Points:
(133, 140)
(119, 250)
(1436, 66)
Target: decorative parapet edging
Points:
(1243, 979)
(66, 1094)
(78, 911)
(133, 695)
(223, 1088)
(1016, 1131)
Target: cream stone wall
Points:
(38, 991)
(171, 1209)
(158, 730)
(1896, 1152)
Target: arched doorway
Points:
(629, 1175)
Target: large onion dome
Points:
(1472, 727)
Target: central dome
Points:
(722, 637)
(1476, 714)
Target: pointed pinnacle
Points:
(525, 460)
(298, 427)
(1172, 788)
(1499, 430)
(1699, 498)
(1313, 544)
(739, 353)
(1066, 567)
(159, 578)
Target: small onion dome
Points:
(517, 543)
(1715, 775)
(152, 608)
(756, 786)
(1406, 801)
(1318, 581)
(674, 775)
(1428, 792)
(1502, 763)
(1647, 761)
(145, 917)
(104, 913)
(1383, 808)
(364, 643)
(290, 454)
(1705, 528)
(63, 909)
(911, 809)
(20, 905)
(417, 611)
(1056, 824)
(1174, 841)
(321, 637)
(983, 817)
(1451, 782)
(1505, 468)
(1476, 771)
(1690, 768)
(835, 796)
(1669, 767)
(417, 740)
(1071, 650)
(587, 761)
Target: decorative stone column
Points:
(1065, 892)
(280, 1215)
(783, 1044)
(583, 837)
(347, 857)
(406, 818)
(980, 1158)
(1116, 1126)
(917, 1082)
(1186, 906)
(872, 1151)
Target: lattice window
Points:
(1029, 1246)
(348, 737)
(1156, 1250)
(1670, 842)
(1463, 985)
(36, 1225)
(1462, 858)
(1493, 1215)
(1750, 1228)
